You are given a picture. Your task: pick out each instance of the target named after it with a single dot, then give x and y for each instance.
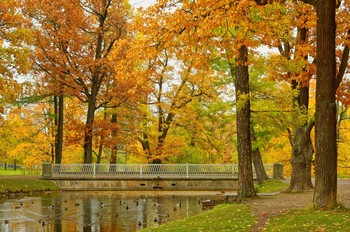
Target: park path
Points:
(266, 207)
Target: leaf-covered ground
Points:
(267, 208)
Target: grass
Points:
(311, 220)
(271, 185)
(10, 172)
(25, 185)
(226, 217)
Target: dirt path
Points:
(267, 207)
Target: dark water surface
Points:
(97, 211)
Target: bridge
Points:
(148, 176)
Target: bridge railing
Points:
(198, 171)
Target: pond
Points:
(98, 211)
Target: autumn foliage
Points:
(159, 84)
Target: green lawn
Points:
(10, 172)
(270, 186)
(238, 217)
(20, 171)
(24, 185)
(337, 220)
(226, 217)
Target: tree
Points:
(294, 66)
(219, 29)
(74, 41)
(244, 146)
(25, 135)
(206, 126)
(327, 80)
(176, 73)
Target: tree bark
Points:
(325, 194)
(244, 146)
(59, 135)
(302, 147)
(302, 152)
(260, 172)
(54, 130)
(114, 150)
(88, 135)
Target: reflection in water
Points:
(97, 211)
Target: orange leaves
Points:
(343, 93)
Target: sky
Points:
(141, 3)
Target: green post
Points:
(47, 172)
(278, 171)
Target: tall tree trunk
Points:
(146, 147)
(88, 135)
(257, 161)
(244, 146)
(54, 129)
(114, 150)
(163, 132)
(59, 136)
(325, 194)
(100, 147)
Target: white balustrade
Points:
(198, 171)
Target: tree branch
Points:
(290, 137)
(265, 2)
(311, 2)
(343, 65)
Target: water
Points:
(97, 211)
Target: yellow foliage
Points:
(279, 151)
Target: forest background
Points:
(100, 81)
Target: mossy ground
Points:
(271, 185)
